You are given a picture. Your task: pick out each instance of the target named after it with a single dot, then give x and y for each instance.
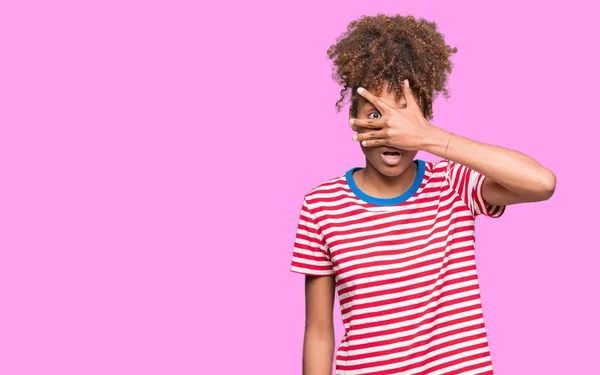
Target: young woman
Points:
(396, 238)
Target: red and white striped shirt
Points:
(404, 269)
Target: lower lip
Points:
(391, 159)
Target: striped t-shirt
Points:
(404, 269)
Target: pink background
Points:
(154, 156)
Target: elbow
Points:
(547, 186)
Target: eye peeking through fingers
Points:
(374, 113)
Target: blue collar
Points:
(387, 201)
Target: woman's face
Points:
(387, 160)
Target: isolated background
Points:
(154, 156)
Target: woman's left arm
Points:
(512, 177)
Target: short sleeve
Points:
(311, 254)
(468, 184)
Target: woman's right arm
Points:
(319, 340)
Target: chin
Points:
(392, 171)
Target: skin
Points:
(383, 122)
(319, 340)
(377, 178)
(512, 177)
(384, 181)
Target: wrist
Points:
(435, 141)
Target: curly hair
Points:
(381, 48)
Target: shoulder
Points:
(328, 188)
(436, 170)
(440, 165)
(448, 168)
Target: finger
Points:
(378, 103)
(374, 142)
(368, 123)
(411, 101)
(379, 134)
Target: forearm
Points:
(318, 350)
(513, 170)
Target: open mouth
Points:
(390, 157)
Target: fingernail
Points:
(406, 83)
(351, 122)
(360, 90)
(354, 138)
(364, 143)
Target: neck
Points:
(372, 182)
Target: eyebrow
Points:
(368, 104)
